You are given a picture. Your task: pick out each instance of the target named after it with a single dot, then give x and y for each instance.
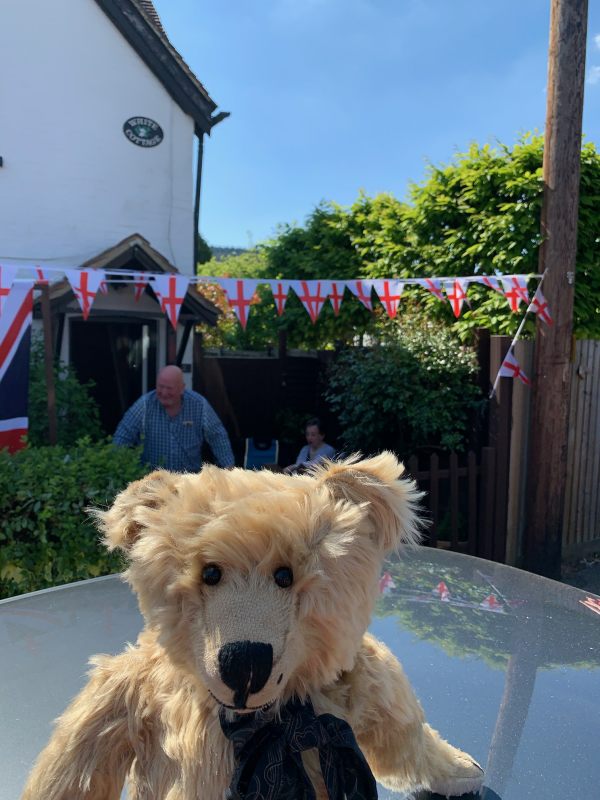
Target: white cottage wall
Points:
(72, 184)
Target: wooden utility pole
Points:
(553, 345)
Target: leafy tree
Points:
(317, 250)
(203, 251)
(479, 214)
(378, 393)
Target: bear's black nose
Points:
(245, 667)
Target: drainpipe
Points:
(212, 122)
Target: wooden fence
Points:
(461, 499)
(479, 508)
(476, 505)
(581, 523)
(582, 501)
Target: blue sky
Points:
(328, 97)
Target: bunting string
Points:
(170, 291)
(510, 367)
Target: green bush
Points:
(416, 391)
(46, 538)
(76, 410)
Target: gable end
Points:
(148, 39)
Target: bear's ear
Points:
(132, 509)
(391, 501)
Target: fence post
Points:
(434, 495)
(453, 476)
(471, 501)
(499, 438)
(485, 537)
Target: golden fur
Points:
(151, 714)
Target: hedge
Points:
(46, 537)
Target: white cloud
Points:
(593, 76)
(597, 40)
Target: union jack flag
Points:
(15, 338)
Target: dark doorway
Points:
(120, 357)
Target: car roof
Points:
(506, 665)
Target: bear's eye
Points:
(211, 574)
(284, 577)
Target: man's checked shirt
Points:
(175, 443)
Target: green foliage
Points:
(317, 250)
(46, 538)
(415, 391)
(586, 321)
(463, 629)
(76, 410)
(479, 214)
(203, 251)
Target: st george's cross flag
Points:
(336, 295)
(85, 284)
(492, 283)
(280, 290)
(171, 291)
(539, 306)
(362, 290)
(515, 291)
(312, 295)
(240, 296)
(510, 369)
(456, 292)
(433, 285)
(389, 293)
(15, 338)
(140, 281)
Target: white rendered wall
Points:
(72, 184)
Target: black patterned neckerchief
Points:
(268, 756)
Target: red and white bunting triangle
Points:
(103, 287)
(442, 591)
(515, 290)
(336, 295)
(170, 290)
(312, 295)
(280, 291)
(85, 284)
(510, 369)
(457, 294)
(389, 293)
(539, 306)
(7, 277)
(362, 290)
(491, 604)
(492, 283)
(140, 283)
(239, 295)
(433, 285)
(42, 276)
(386, 583)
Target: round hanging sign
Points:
(143, 131)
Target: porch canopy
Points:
(124, 341)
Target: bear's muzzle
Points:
(245, 668)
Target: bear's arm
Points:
(389, 723)
(90, 751)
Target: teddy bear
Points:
(254, 675)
